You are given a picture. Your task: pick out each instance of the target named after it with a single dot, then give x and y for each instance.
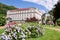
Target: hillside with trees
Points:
(3, 12)
(4, 8)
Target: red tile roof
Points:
(21, 9)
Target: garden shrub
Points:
(2, 21)
(17, 32)
(13, 33)
(35, 31)
(58, 21)
(31, 19)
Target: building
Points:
(23, 13)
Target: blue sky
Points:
(26, 4)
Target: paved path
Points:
(2, 27)
(57, 29)
(53, 28)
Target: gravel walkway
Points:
(2, 27)
(53, 28)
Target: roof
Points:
(20, 9)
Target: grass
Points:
(1, 31)
(57, 26)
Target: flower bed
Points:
(16, 32)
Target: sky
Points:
(42, 5)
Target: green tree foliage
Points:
(4, 8)
(51, 12)
(3, 12)
(2, 21)
(56, 12)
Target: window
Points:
(9, 18)
(20, 16)
(32, 10)
(20, 11)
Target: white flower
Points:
(19, 24)
(18, 29)
(23, 39)
(14, 30)
(13, 26)
(37, 30)
(7, 37)
(22, 35)
(2, 36)
(14, 35)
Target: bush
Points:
(35, 31)
(2, 21)
(21, 32)
(58, 21)
(13, 33)
(31, 19)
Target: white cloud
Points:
(46, 3)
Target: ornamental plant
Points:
(13, 33)
(35, 31)
(21, 32)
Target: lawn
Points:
(1, 31)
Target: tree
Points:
(4, 8)
(56, 12)
(51, 12)
(2, 21)
(3, 12)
